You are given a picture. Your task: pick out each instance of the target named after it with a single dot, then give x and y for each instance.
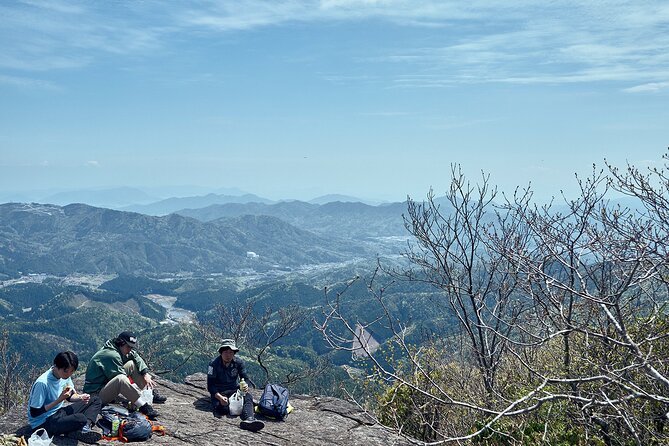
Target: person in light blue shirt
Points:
(47, 395)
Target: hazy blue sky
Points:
(294, 99)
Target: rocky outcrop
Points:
(188, 420)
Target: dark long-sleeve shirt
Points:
(225, 380)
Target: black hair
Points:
(118, 342)
(66, 360)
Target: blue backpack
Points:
(274, 402)
(133, 426)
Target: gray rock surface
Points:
(188, 419)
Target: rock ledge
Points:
(188, 420)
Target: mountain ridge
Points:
(344, 219)
(36, 238)
(172, 204)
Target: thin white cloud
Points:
(28, 83)
(243, 15)
(451, 122)
(651, 87)
(386, 114)
(54, 5)
(249, 14)
(44, 36)
(347, 79)
(327, 4)
(476, 41)
(535, 56)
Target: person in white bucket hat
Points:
(223, 380)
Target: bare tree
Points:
(563, 310)
(153, 352)
(453, 253)
(15, 378)
(257, 329)
(593, 279)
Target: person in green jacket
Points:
(111, 369)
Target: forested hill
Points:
(344, 219)
(80, 238)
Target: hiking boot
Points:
(149, 411)
(158, 398)
(251, 424)
(89, 437)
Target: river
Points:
(175, 315)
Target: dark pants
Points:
(247, 408)
(73, 417)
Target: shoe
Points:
(149, 411)
(158, 398)
(89, 437)
(251, 424)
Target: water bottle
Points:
(242, 385)
(115, 424)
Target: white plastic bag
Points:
(147, 395)
(39, 439)
(236, 403)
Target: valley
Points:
(175, 277)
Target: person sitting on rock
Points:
(223, 380)
(45, 404)
(111, 369)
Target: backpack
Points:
(133, 425)
(274, 401)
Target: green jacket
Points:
(106, 364)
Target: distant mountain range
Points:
(148, 200)
(170, 205)
(176, 204)
(334, 214)
(104, 198)
(331, 198)
(350, 219)
(81, 238)
(109, 197)
(190, 234)
(128, 197)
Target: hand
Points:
(222, 399)
(150, 384)
(82, 397)
(66, 393)
(244, 387)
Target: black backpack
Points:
(274, 402)
(133, 426)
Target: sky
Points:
(300, 98)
